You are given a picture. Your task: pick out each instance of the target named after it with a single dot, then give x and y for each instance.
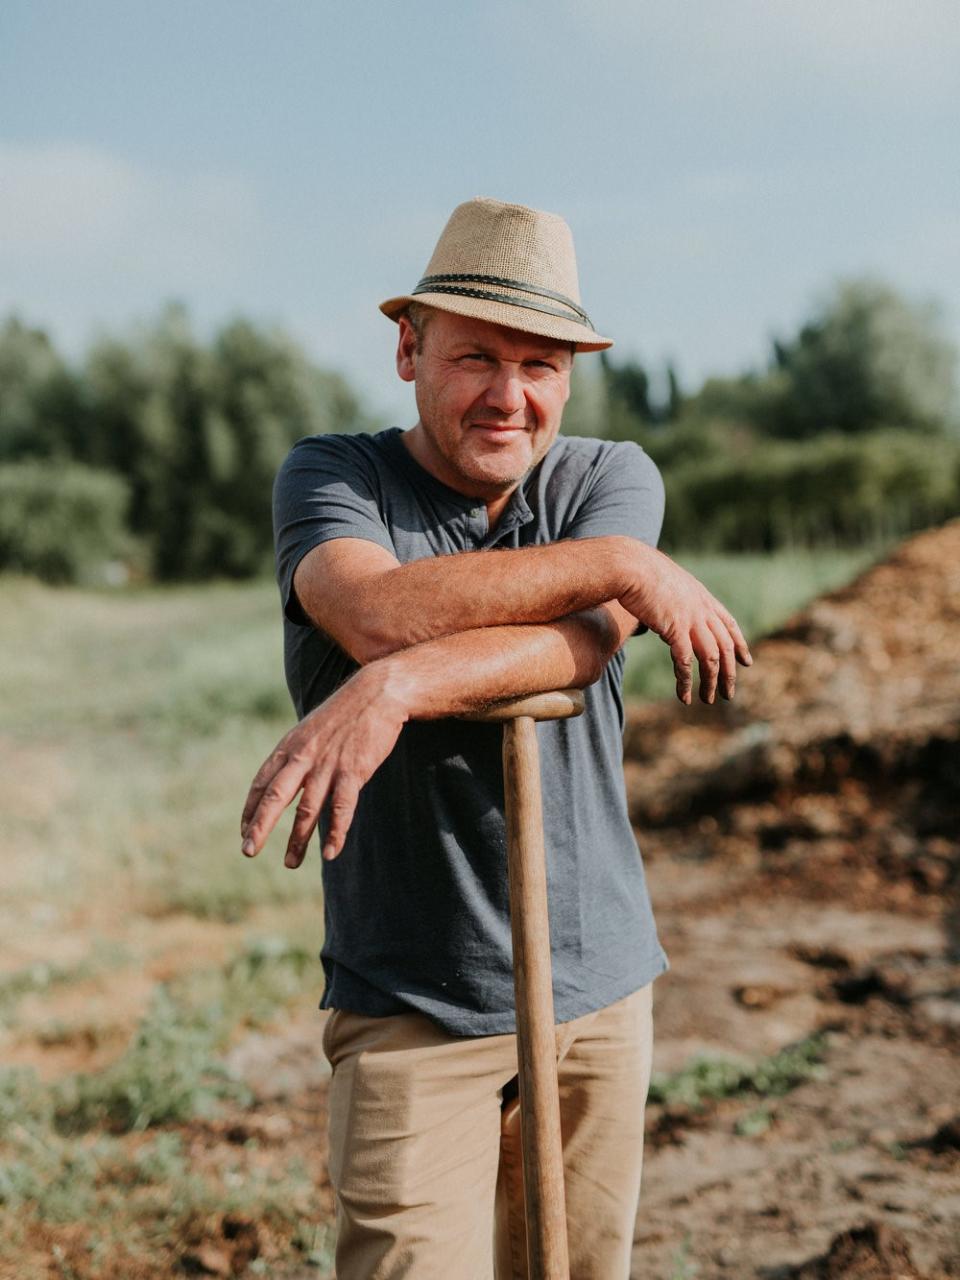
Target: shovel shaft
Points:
(536, 1035)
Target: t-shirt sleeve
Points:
(326, 488)
(625, 497)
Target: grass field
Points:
(130, 725)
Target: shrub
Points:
(63, 523)
(833, 490)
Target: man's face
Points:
(490, 400)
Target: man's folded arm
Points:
(335, 749)
(372, 606)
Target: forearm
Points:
(395, 607)
(471, 669)
(337, 747)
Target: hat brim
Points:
(523, 319)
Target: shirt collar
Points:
(517, 511)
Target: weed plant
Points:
(708, 1079)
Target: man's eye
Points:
(476, 355)
(542, 364)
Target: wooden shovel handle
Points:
(540, 1137)
(559, 704)
(541, 1141)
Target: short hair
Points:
(418, 313)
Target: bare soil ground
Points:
(803, 855)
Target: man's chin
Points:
(496, 479)
(500, 467)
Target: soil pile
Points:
(802, 847)
(872, 1252)
(843, 742)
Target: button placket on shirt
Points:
(517, 514)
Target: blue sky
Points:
(721, 162)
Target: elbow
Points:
(368, 644)
(369, 638)
(608, 639)
(602, 639)
(367, 649)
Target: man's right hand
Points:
(683, 613)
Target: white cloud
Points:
(77, 217)
(865, 47)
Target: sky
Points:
(721, 162)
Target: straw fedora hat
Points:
(509, 265)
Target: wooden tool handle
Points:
(559, 704)
(541, 1144)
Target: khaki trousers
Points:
(425, 1161)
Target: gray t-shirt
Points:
(416, 906)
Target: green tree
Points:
(869, 358)
(39, 396)
(199, 431)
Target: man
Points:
(426, 574)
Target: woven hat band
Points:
(459, 286)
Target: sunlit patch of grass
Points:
(141, 717)
(173, 1069)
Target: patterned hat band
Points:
(459, 285)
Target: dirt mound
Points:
(844, 739)
(871, 1252)
(803, 854)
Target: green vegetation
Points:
(850, 434)
(682, 1266)
(165, 447)
(710, 1079)
(181, 437)
(173, 1069)
(134, 722)
(62, 1157)
(142, 1202)
(60, 524)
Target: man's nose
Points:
(505, 392)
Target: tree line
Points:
(155, 452)
(849, 434)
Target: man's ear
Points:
(406, 350)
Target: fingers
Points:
(306, 818)
(708, 656)
(261, 780)
(740, 647)
(716, 642)
(726, 650)
(682, 655)
(275, 794)
(343, 804)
